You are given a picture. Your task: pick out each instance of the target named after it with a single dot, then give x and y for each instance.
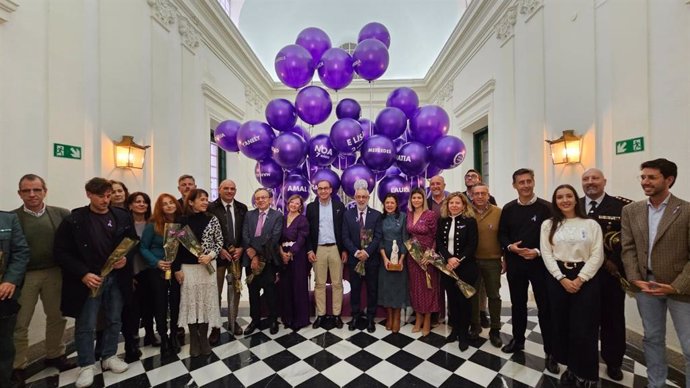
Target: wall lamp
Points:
(567, 148)
(129, 154)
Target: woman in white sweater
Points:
(571, 245)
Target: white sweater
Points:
(576, 240)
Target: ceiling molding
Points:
(476, 105)
(220, 103)
(6, 9)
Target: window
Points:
(218, 168)
(481, 153)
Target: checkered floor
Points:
(338, 357)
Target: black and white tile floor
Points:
(340, 358)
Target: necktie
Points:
(260, 224)
(231, 224)
(361, 220)
(592, 208)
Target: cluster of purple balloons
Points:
(312, 51)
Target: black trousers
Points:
(159, 288)
(371, 277)
(265, 281)
(7, 325)
(576, 325)
(612, 319)
(459, 307)
(521, 273)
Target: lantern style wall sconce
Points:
(129, 154)
(567, 148)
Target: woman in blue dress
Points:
(393, 292)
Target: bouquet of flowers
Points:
(234, 276)
(121, 250)
(437, 261)
(417, 253)
(256, 272)
(365, 238)
(189, 241)
(170, 245)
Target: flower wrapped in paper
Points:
(256, 272)
(171, 244)
(122, 249)
(437, 261)
(414, 248)
(365, 238)
(234, 276)
(189, 241)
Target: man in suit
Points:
(656, 245)
(326, 251)
(230, 213)
(437, 189)
(14, 255)
(260, 237)
(355, 221)
(606, 210)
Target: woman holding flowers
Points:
(393, 293)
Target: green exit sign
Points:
(66, 151)
(627, 146)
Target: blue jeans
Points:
(653, 313)
(110, 300)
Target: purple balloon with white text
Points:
(378, 152)
(225, 135)
(289, 150)
(254, 139)
(448, 152)
(335, 69)
(412, 158)
(294, 66)
(354, 173)
(391, 122)
(348, 108)
(429, 124)
(404, 99)
(396, 185)
(375, 30)
(315, 40)
(313, 105)
(296, 184)
(325, 175)
(346, 135)
(268, 173)
(321, 151)
(281, 114)
(371, 59)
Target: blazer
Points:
(218, 209)
(266, 244)
(608, 216)
(15, 250)
(313, 218)
(464, 245)
(351, 234)
(670, 254)
(72, 252)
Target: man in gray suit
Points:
(656, 255)
(260, 236)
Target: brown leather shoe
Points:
(214, 338)
(238, 329)
(61, 363)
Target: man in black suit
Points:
(355, 221)
(606, 210)
(230, 213)
(260, 237)
(326, 251)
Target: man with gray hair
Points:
(361, 236)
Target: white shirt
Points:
(451, 235)
(588, 202)
(576, 240)
(35, 214)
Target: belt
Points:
(571, 264)
(327, 245)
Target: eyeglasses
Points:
(261, 197)
(28, 191)
(471, 176)
(323, 188)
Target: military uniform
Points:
(608, 215)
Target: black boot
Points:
(150, 338)
(174, 343)
(194, 343)
(204, 345)
(166, 348)
(132, 352)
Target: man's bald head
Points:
(593, 183)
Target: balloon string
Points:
(282, 192)
(371, 105)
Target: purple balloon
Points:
(429, 124)
(325, 175)
(299, 130)
(313, 105)
(346, 135)
(354, 173)
(344, 161)
(268, 173)
(368, 128)
(399, 142)
(371, 59)
(378, 152)
(375, 30)
(448, 152)
(289, 150)
(225, 135)
(254, 139)
(392, 170)
(404, 99)
(315, 40)
(412, 158)
(432, 170)
(391, 122)
(396, 185)
(321, 151)
(348, 108)
(296, 184)
(294, 66)
(335, 69)
(281, 114)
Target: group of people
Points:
(575, 252)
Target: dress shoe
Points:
(61, 363)
(583, 383)
(452, 337)
(18, 378)
(614, 372)
(174, 344)
(371, 326)
(132, 352)
(484, 319)
(250, 328)
(568, 378)
(462, 343)
(274, 327)
(166, 349)
(473, 334)
(317, 322)
(352, 325)
(495, 338)
(180, 335)
(151, 339)
(214, 337)
(512, 347)
(238, 329)
(338, 322)
(552, 365)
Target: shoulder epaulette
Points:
(624, 200)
